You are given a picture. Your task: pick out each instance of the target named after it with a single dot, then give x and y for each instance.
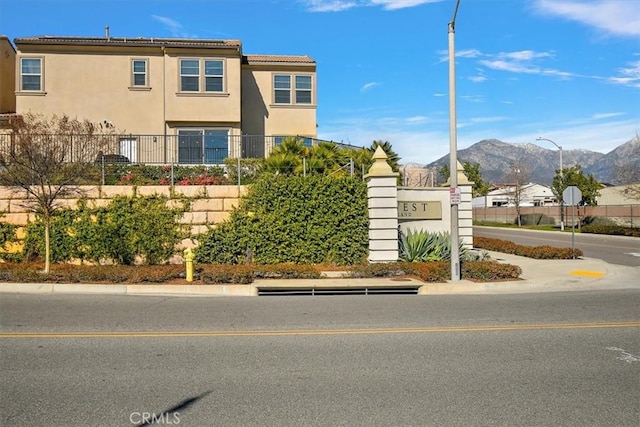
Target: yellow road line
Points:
(257, 333)
(586, 273)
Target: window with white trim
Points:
(201, 75)
(31, 74)
(213, 75)
(282, 87)
(293, 89)
(303, 89)
(139, 73)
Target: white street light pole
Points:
(562, 182)
(453, 151)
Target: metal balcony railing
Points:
(189, 149)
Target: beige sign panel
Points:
(420, 210)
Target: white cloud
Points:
(329, 5)
(628, 76)
(599, 116)
(512, 66)
(465, 53)
(417, 119)
(368, 86)
(472, 98)
(341, 5)
(174, 27)
(468, 53)
(524, 55)
(613, 17)
(477, 79)
(401, 4)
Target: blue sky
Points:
(567, 70)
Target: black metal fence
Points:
(187, 148)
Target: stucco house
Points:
(185, 101)
(7, 76)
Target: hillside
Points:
(497, 158)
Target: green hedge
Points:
(128, 230)
(302, 220)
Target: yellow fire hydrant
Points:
(188, 263)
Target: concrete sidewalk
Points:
(537, 276)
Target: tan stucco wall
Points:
(211, 204)
(96, 85)
(209, 108)
(259, 108)
(7, 76)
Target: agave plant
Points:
(418, 246)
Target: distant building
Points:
(531, 194)
(619, 195)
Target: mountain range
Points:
(497, 160)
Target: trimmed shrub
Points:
(383, 269)
(435, 271)
(537, 252)
(615, 230)
(432, 271)
(128, 230)
(300, 220)
(488, 271)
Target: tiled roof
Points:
(277, 59)
(128, 41)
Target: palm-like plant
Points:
(392, 157)
(286, 159)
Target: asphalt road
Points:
(619, 250)
(500, 360)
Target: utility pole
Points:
(561, 180)
(453, 152)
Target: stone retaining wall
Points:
(211, 204)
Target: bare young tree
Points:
(628, 174)
(47, 159)
(517, 177)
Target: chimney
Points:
(106, 33)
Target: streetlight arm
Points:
(559, 148)
(545, 139)
(452, 23)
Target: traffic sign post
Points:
(572, 196)
(455, 195)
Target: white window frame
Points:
(40, 75)
(293, 89)
(303, 90)
(214, 76)
(281, 89)
(202, 76)
(135, 73)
